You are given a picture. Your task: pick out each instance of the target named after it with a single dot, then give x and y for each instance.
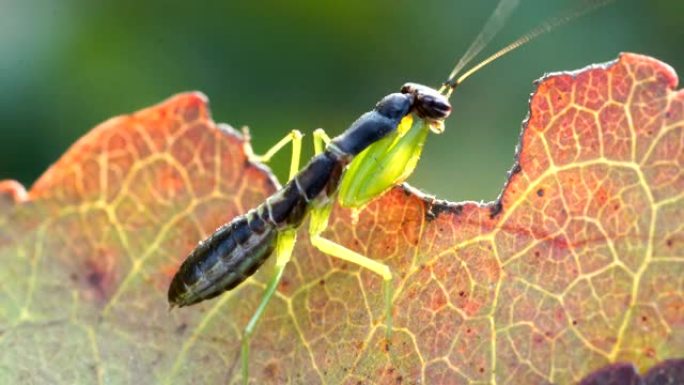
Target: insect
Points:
(379, 150)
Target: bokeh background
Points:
(277, 65)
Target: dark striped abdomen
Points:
(237, 249)
(222, 261)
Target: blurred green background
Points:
(277, 65)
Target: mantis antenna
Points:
(503, 10)
(493, 25)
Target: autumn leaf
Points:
(575, 272)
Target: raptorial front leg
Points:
(319, 222)
(283, 253)
(296, 138)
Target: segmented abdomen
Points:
(236, 250)
(225, 259)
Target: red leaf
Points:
(577, 266)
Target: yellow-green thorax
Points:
(385, 163)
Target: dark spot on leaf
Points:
(495, 210)
(95, 279)
(574, 322)
(321, 282)
(540, 192)
(433, 209)
(400, 379)
(516, 169)
(271, 371)
(644, 318)
(430, 216)
(406, 190)
(482, 370)
(536, 253)
(461, 293)
(669, 243)
(181, 328)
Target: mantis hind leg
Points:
(319, 222)
(283, 248)
(283, 253)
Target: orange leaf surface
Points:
(578, 265)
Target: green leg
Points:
(320, 139)
(283, 252)
(283, 249)
(295, 137)
(319, 222)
